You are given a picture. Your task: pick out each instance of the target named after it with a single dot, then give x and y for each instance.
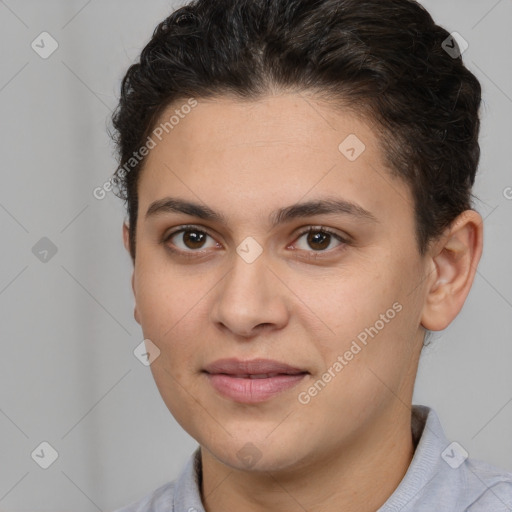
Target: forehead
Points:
(288, 119)
(240, 156)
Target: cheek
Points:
(173, 311)
(342, 304)
(169, 310)
(362, 315)
(164, 300)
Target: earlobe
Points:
(455, 258)
(135, 310)
(126, 236)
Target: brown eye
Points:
(320, 239)
(188, 239)
(194, 239)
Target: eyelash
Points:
(312, 254)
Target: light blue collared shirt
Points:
(440, 478)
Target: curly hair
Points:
(385, 60)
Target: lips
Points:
(259, 376)
(254, 381)
(252, 369)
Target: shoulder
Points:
(442, 473)
(160, 500)
(493, 487)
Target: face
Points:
(337, 295)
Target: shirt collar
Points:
(427, 467)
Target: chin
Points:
(257, 453)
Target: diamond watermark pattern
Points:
(454, 455)
(249, 250)
(44, 250)
(249, 455)
(44, 455)
(455, 45)
(352, 147)
(146, 352)
(44, 45)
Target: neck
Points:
(358, 475)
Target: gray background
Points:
(68, 373)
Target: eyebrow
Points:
(329, 206)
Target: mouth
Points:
(252, 367)
(252, 381)
(256, 376)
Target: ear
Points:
(126, 242)
(126, 236)
(454, 261)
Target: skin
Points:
(350, 446)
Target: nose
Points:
(250, 299)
